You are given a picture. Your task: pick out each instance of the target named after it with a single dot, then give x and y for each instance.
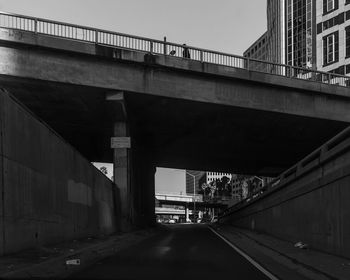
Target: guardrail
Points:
(323, 154)
(183, 198)
(120, 40)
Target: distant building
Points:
(258, 51)
(201, 178)
(212, 176)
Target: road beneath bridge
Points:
(180, 252)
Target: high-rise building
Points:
(271, 45)
(300, 33)
(306, 33)
(275, 34)
(291, 32)
(333, 36)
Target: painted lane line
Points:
(244, 255)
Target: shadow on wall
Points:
(51, 193)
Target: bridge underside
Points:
(179, 133)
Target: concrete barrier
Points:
(310, 203)
(49, 192)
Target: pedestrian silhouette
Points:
(186, 52)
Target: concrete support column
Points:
(143, 186)
(134, 174)
(2, 179)
(122, 179)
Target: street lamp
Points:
(194, 194)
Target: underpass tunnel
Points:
(168, 132)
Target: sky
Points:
(223, 25)
(229, 26)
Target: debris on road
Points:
(73, 262)
(301, 245)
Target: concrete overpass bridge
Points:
(209, 111)
(253, 122)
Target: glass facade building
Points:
(291, 36)
(300, 37)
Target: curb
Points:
(57, 267)
(304, 270)
(259, 266)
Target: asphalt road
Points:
(177, 252)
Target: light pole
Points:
(194, 194)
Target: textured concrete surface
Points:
(50, 193)
(50, 261)
(283, 259)
(309, 204)
(131, 71)
(176, 107)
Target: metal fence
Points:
(120, 40)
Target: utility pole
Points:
(194, 194)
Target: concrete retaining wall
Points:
(311, 204)
(50, 193)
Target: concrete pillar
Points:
(143, 186)
(2, 179)
(122, 179)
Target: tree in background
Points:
(103, 169)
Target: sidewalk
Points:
(282, 259)
(50, 261)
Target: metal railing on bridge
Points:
(120, 40)
(178, 197)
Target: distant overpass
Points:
(187, 201)
(170, 211)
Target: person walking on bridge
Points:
(186, 52)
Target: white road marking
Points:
(244, 255)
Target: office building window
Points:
(330, 5)
(330, 48)
(347, 41)
(347, 2)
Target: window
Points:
(330, 5)
(347, 2)
(330, 48)
(347, 42)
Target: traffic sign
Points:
(120, 142)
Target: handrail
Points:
(322, 154)
(121, 40)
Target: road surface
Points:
(177, 252)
